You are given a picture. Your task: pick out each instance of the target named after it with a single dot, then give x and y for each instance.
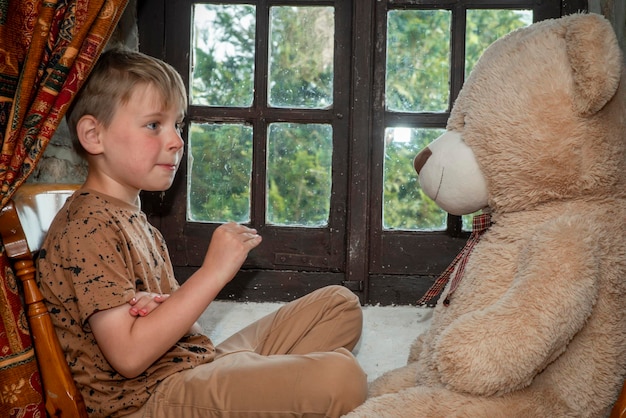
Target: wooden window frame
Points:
(372, 261)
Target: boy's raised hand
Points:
(145, 302)
(229, 247)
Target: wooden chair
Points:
(619, 409)
(24, 223)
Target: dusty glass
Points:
(484, 26)
(418, 60)
(222, 60)
(219, 166)
(301, 57)
(405, 206)
(299, 174)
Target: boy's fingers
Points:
(254, 241)
(144, 304)
(250, 235)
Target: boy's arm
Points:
(132, 343)
(145, 302)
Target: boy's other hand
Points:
(145, 302)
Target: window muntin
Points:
(300, 75)
(415, 82)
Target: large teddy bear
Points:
(536, 326)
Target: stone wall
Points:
(60, 163)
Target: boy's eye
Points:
(180, 126)
(153, 125)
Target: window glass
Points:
(301, 57)
(299, 165)
(484, 26)
(222, 70)
(405, 206)
(219, 167)
(418, 60)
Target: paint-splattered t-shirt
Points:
(98, 252)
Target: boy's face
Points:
(142, 147)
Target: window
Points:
(303, 121)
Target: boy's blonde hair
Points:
(112, 81)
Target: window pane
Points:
(405, 206)
(468, 220)
(301, 57)
(220, 171)
(222, 70)
(484, 26)
(418, 60)
(299, 170)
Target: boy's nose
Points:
(421, 158)
(176, 142)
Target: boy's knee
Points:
(347, 381)
(345, 307)
(344, 292)
(345, 298)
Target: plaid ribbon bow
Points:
(480, 223)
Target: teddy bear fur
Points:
(537, 326)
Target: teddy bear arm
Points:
(416, 349)
(394, 380)
(502, 347)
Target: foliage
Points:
(301, 57)
(405, 206)
(224, 46)
(299, 174)
(300, 75)
(220, 167)
(418, 64)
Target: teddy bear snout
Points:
(421, 158)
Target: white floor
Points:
(388, 331)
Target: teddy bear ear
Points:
(596, 60)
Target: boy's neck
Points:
(113, 189)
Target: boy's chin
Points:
(157, 187)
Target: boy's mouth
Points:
(169, 166)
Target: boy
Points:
(127, 328)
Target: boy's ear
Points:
(87, 130)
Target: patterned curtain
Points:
(47, 49)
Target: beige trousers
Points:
(295, 362)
